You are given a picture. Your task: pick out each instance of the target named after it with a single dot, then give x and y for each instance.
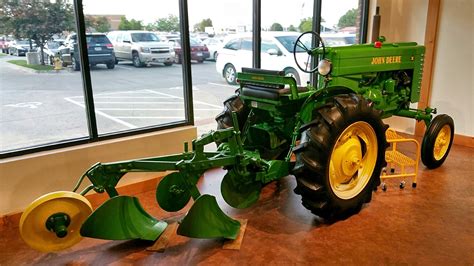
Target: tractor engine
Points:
(389, 75)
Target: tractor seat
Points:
(268, 93)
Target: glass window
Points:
(218, 24)
(269, 45)
(247, 44)
(340, 23)
(233, 44)
(41, 102)
(137, 80)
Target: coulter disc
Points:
(240, 191)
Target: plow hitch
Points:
(122, 217)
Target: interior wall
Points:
(402, 21)
(453, 74)
(25, 178)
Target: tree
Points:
(171, 23)
(89, 21)
(292, 28)
(348, 19)
(276, 27)
(37, 21)
(132, 24)
(306, 24)
(101, 24)
(201, 26)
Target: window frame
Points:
(186, 69)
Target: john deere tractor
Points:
(330, 136)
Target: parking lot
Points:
(39, 108)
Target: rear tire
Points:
(75, 64)
(111, 65)
(168, 63)
(340, 157)
(177, 59)
(230, 74)
(232, 104)
(437, 141)
(224, 119)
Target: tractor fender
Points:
(318, 99)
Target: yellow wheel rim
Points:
(33, 228)
(442, 142)
(353, 160)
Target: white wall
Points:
(402, 21)
(453, 76)
(25, 178)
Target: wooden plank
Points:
(237, 243)
(462, 140)
(431, 31)
(163, 241)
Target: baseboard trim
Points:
(13, 219)
(464, 140)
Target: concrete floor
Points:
(430, 225)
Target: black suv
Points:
(99, 49)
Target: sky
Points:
(223, 13)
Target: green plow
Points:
(122, 217)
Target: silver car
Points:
(141, 47)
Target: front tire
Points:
(437, 141)
(340, 157)
(136, 60)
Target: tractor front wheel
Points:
(437, 141)
(340, 157)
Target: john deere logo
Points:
(386, 60)
(257, 78)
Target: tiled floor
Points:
(430, 225)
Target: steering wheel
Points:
(309, 51)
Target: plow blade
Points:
(121, 218)
(206, 220)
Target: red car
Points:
(199, 51)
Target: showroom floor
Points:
(430, 225)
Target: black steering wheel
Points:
(309, 51)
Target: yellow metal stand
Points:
(400, 164)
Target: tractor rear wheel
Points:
(340, 157)
(232, 104)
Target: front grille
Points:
(161, 51)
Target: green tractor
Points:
(331, 137)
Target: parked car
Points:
(213, 45)
(276, 54)
(338, 39)
(4, 44)
(199, 51)
(142, 47)
(99, 48)
(51, 50)
(20, 47)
